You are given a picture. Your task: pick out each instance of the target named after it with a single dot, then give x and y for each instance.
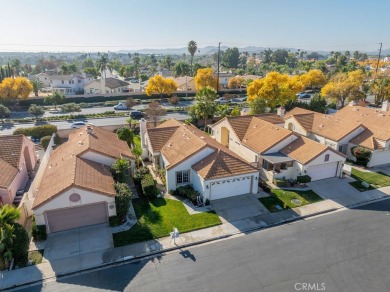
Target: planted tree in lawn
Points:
(154, 112)
(206, 105)
(205, 78)
(130, 102)
(161, 85)
(36, 110)
(37, 86)
(13, 89)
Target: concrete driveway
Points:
(78, 241)
(238, 207)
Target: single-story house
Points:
(349, 127)
(77, 188)
(185, 83)
(191, 156)
(106, 86)
(277, 152)
(17, 160)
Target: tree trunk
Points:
(205, 123)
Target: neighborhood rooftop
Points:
(10, 151)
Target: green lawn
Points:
(35, 256)
(157, 217)
(283, 199)
(375, 179)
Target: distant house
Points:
(185, 83)
(77, 188)
(17, 160)
(189, 156)
(65, 84)
(224, 79)
(165, 73)
(106, 86)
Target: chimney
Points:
(89, 129)
(352, 103)
(280, 111)
(385, 106)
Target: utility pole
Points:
(219, 49)
(379, 58)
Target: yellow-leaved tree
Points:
(313, 78)
(235, 82)
(13, 89)
(161, 85)
(343, 86)
(273, 90)
(205, 78)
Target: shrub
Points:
(264, 186)
(113, 221)
(140, 173)
(20, 245)
(174, 100)
(149, 186)
(38, 232)
(122, 200)
(4, 111)
(36, 110)
(162, 174)
(37, 131)
(45, 141)
(362, 155)
(70, 108)
(120, 169)
(303, 179)
(280, 182)
(186, 191)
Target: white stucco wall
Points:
(62, 201)
(99, 158)
(185, 165)
(296, 126)
(350, 136)
(379, 157)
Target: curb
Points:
(129, 259)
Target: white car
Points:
(120, 106)
(221, 100)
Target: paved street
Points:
(342, 251)
(7, 129)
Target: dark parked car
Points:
(137, 115)
(304, 95)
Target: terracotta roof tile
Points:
(222, 164)
(262, 135)
(304, 149)
(158, 137)
(366, 139)
(7, 174)
(66, 169)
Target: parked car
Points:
(77, 125)
(137, 115)
(310, 91)
(134, 81)
(120, 106)
(301, 93)
(239, 99)
(221, 100)
(304, 96)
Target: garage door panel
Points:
(322, 171)
(73, 217)
(224, 189)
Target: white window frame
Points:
(184, 176)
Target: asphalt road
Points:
(343, 251)
(7, 129)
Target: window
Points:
(62, 81)
(326, 157)
(79, 81)
(267, 165)
(182, 177)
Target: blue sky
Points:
(101, 25)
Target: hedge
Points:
(303, 179)
(38, 231)
(20, 245)
(149, 186)
(45, 141)
(37, 131)
(280, 182)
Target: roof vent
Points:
(355, 109)
(321, 126)
(89, 129)
(81, 143)
(380, 115)
(201, 137)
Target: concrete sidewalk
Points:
(101, 258)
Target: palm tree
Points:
(206, 105)
(37, 86)
(192, 47)
(104, 64)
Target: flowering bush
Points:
(362, 155)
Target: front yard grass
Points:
(157, 217)
(35, 257)
(374, 179)
(283, 199)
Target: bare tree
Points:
(154, 111)
(130, 102)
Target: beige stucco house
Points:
(17, 160)
(106, 86)
(77, 188)
(277, 152)
(351, 126)
(190, 156)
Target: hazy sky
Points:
(102, 25)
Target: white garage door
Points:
(73, 217)
(230, 187)
(322, 171)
